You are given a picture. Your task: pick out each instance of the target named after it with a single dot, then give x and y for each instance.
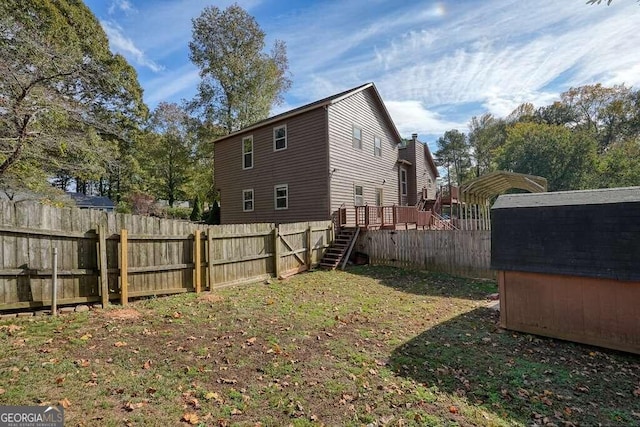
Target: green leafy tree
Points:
(454, 153)
(619, 166)
(566, 158)
(605, 112)
(167, 153)
(196, 213)
(240, 82)
(486, 135)
(62, 92)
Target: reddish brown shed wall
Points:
(602, 312)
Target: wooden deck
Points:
(388, 217)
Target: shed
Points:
(569, 265)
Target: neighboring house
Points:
(92, 202)
(304, 164)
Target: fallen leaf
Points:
(2, 391)
(453, 409)
(86, 337)
(65, 403)
(236, 411)
(177, 315)
(129, 406)
(147, 364)
(83, 363)
(212, 395)
(192, 401)
(190, 418)
(60, 380)
(251, 340)
(120, 344)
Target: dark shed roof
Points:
(592, 233)
(91, 202)
(569, 198)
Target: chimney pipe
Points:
(414, 136)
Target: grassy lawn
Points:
(372, 345)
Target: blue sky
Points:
(435, 63)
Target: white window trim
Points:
(353, 128)
(380, 190)
(243, 153)
(375, 148)
(355, 195)
(404, 189)
(275, 196)
(286, 144)
(253, 203)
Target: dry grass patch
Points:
(371, 346)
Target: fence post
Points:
(54, 284)
(276, 251)
(197, 256)
(309, 248)
(102, 264)
(124, 265)
(210, 257)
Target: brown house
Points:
(304, 164)
(416, 159)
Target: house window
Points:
(357, 137)
(247, 200)
(377, 146)
(403, 182)
(280, 138)
(281, 196)
(358, 198)
(379, 197)
(247, 152)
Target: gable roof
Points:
(430, 159)
(319, 104)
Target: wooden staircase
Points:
(340, 249)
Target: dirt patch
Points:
(123, 314)
(210, 298)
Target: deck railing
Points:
(384, 216)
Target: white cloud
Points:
(124, 45)
(122, 5)
(495, 54)
(169, 85)
(412, 117)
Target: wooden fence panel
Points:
(241, 252)
(461, 253)
(159, 254)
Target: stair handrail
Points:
(351, 245)
(447, 224)
(437, 206)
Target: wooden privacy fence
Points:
(456, 252)
(107, 256)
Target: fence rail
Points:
(107, 256)
(456, 252)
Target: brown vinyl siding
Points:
(302, 166)
(360, 167)
(419, 171)
(424, 172)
